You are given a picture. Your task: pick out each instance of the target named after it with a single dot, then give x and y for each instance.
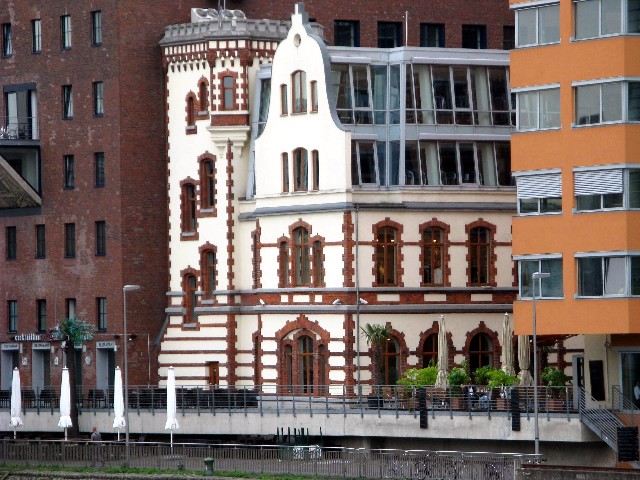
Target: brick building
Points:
(83, 208)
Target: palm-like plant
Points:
(73, 331)
(376, 336)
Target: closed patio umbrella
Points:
(172, 420)
(65, 402)
(523, 359)
(16, 402)
(507, 346)
(118, 403)
(443, 354)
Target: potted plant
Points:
(418, 378)
(376, 336)
(498, 381)
(556, 379)
(457, 377)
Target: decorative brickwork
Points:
(387, 222)
(435, 330)
(203, 98)
(348, 257)
(205, 266)
(444, 253)
(208, 185)
(493, 337)
(492, 257)
(256, 257)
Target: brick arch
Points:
(202, 159)
(236, 89)
(492, 254)
(493, 337)
(184, 273)
(303, 323)
(387, 222)
(190, 104)
(208, 247)
(434, 330)
(446, 257)
(186, 235)
(312, 257)
(404, 352)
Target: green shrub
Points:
(482, 375)
(498, 378)
(554, 377)
(458, 376)
(415, 377)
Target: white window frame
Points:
(549, 189)
(627, 255)
(537, 6)
(623, 81)
(536, 89)
(538, 258)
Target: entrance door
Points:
(629, 373)
(214, 373)
(578, 378)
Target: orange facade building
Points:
(576, 157)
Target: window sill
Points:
(548, 129)
(538, 214)
(604, 297)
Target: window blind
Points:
(545, 185)
(598, 182)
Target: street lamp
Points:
(536, 276)
(125, 289)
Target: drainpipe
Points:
(357, 339)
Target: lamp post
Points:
(536, 276)
(125, 289)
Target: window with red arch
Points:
(191, 111)
(304, 363)
(207, 184)
(203, 96)
(208, 271)
(386, 255)
(188, 206)
(228, 92)
(480, 351)
(479, 256)
(430, 350)
(189, 286)
(434, 255)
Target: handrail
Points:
(601, 421)
(627, 412)
(25, 129)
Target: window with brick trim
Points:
(314, 96)
(430, 350)
(301, 257)
(480, 352)
(479, 256)
(40, 241)
(315, 160)
(283, 264)
(386, 255)
(99, 169)
(191, 111)
(318, 264)
(41, 312)
(299, 92)
(391, 361)
(303, 364)
(67, 102)
(285, 172)
(203, 91)
(12, 242)
(12, 316)
(300, 170)
(69, 240)
(98, 99)
(284, 107)
(188, 208)
(101, 314)
(7, 44)
(433, 256)
(346, 33)
(101, 237)
(207, 185)
(228, 87)
(69, 172)
(36, 36)
(190, 287)
(305, 357)
(208, 272)
(65, 31)
(96, 28)
(389, 34)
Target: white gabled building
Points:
(314, 190)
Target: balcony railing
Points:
(23, 130)
(314, 399)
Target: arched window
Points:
(190, 287)
(386, 255)
(283, 262)
(315, 160)
(299, 91)
(480, 351)
(228, 92)
(391, 361)
(318, 264)
(191, 111)
(300, 170)
(203, 96)
(314, 96)
(479, 255)
(305, 363)
(433, 255)
(301, 257)
(207, 185)
(208, 272)
(285, 172)
(430, 350)
(188, 208)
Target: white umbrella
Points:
(16, 402)
(118, 403)
(523, 359)
(65, 402)
(172, 420)
(443, 354)
(507, 346)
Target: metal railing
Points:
(473, 400)
(26, 129)
(273, 459)
(601, 421)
